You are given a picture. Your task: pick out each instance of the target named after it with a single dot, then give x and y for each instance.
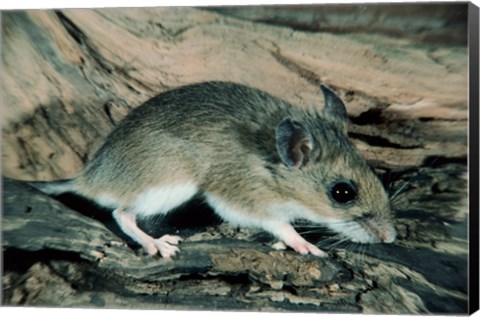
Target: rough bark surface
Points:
(69, 76)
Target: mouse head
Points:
(328, 177)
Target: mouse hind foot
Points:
(165, 245)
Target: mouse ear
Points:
(334, 109)
(294, 143)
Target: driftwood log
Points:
(70, 75)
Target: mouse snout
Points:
(386, 232)
(379, 229)
(388, 237)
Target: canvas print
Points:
(302, 158)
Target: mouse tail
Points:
(56, 187)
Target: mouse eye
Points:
(343, 192)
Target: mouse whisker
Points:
(329, 240)
(310, 231)
(410, 180)
(327, 243)
(335, 243)
(311, 226)
(365, 249)
(358, 249)
(350, 247)
(401, 189)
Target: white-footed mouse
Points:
(257, 160)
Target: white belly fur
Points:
(231, 214)
(162, 199)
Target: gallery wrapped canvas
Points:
(302, 158)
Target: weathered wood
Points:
(70, 75)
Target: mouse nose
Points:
(389, 239)
(389, 236)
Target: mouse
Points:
(257, 160)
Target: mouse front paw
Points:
(165, 245)
(304, 247)
(286, 233)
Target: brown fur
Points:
(227, 139)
